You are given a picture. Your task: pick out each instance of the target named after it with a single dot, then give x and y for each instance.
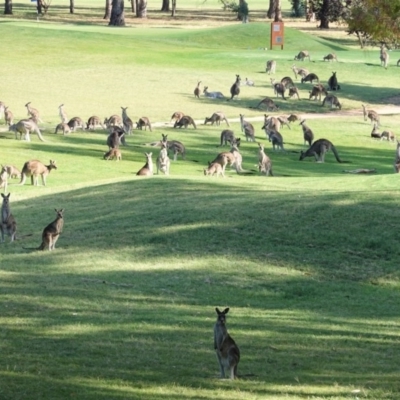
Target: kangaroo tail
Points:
(337, 156)
(23, 179)
(40, 135)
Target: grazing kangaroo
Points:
(126, 121)
(163, 161)
(33, 112)
(371, 114)
(62, 114)
(330, 57)
(227, 136)
(235, 88)
(34, 168)
(333, 82)
(197, 90)
(174, 145)
(264, 162)
(8, 224)
(384, 56)
(397, 158)
(307, 133)
(216, 118)
(3, 179)
(302, 55)
(215, 168)
(293, 91)
(318, 149)
(176, 116)
(75, 123)
(25, 127)
(212, 95)
(93, 122)
(233, 158)
(113, 153)
(147, 169)
(279, 88)
(52, 232)
(12, 171)
(388, 135)
(144, 122)
(114, 120)
(185, 121)
(247, 128)
(228, 353)
(115, 138)
(332, 100)
(311, 77)
(299, 71)
(268, 104)
(375, 134)
(317, 92)
(270, 67)
(8, 116)
(65, 128)
(287, 82)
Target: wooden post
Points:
(277, 34)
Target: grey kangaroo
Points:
(318, 149)
(8, 224)
(228, 353)
(52, 232)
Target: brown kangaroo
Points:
(176, 116)
(197, 90)
(185, 121)
(147, 169)
(8, 116)
(302, 55)
(12, 171)
(113, 153)
(228, 353)
(116, 137)
(114, 120)
(307, 133)
(163, 162)
(270, 67)
(174, 145)
(33, 112)
(216, 118)
(397, 158)
(3, 179)
(264, 162)
(268, 104)
(143, 122)
(52, 232)
(93, 122)
(62, 126)
(34, 168)
(227, 136)
(75, 123)
(25, 127)
(8, 224)
(372, 115)
(247, 128)
(62, 114)
(235, 88)
(126, 121)
(330, 57)
(232, 157)
(216, 168)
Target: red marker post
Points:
(277, 34)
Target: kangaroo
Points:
(332, 100)
(248, 82)
(284, 121)
(227, 136)
(333, 82)
(93, 122)
(299, 71)
(216, 118)
(212, 95)
(126, 121)
(176, 116)
(317, 92)
(311, 77)
(147, 169)
(375, 134)
(114, 120)
(163, 161)
(115, 138)
(247, 128)
(371, 114)
(62, 114)
(293, 91)
(268, 103)
(384, 57)
(8, 116)
(65, 128)
(52, 232)
(388, 135)
(215, 168)
(185, 121)
(75, 123)
(271, 123)
(279, 88)
(307, 133)
(287, 82)
(318, 149)
(228, 353)
(2, 107)
(270, 67)
(174, 145)
(3, 179)
(232, 157)
(235, 88)
(113, 153)
(33, 112)
(302, 55)
(144, 122)
(397, 159)
(293, 118)
(330, 57)
(25, 127)
(12, 171)
(34, 168)
(8, 224)
(197, 90)
(276, 138)
(264, 162)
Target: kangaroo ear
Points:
(226, 310)
(217, 310)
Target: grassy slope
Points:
(124, 307)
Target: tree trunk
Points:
(117, 13)
(133, 6)
(107, 12)
(278, 11)
(173, 8)
(271, 8)
(141, 10)
(324, 15)
(165, 6)
(71, 6)
(8, 7)
(39, 7)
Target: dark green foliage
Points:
(298, 7)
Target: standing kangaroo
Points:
(8, 224)
(174, 145)
(372, 115)
(384, 56)
(3, 178)
(163, 161)
(270, 67)
(25, 127)
(264, 162)
(34, 168)
(228, 353)
(332, 100)
(62, 114)
(307, 133)
(52, 232)
(318, 149)
(235, 88)
(197, 90)
(8, 116)
(33, 112)
(227, 136)
(126, 121)
(147, 169)
(397, 159)
(247, 128)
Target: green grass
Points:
(124, 308)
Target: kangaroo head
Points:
(59, 212)
(221, 315)
(5, 197)
(53, 164)
(27, 104)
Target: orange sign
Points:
(277, 34)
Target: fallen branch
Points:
(360, 171)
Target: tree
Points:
(71, 6)
(298, 7)
(165, 6)
(117, 13)
(275, 10)
(141, 8)
(8, 7)
(107, 12)
(327, 11)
